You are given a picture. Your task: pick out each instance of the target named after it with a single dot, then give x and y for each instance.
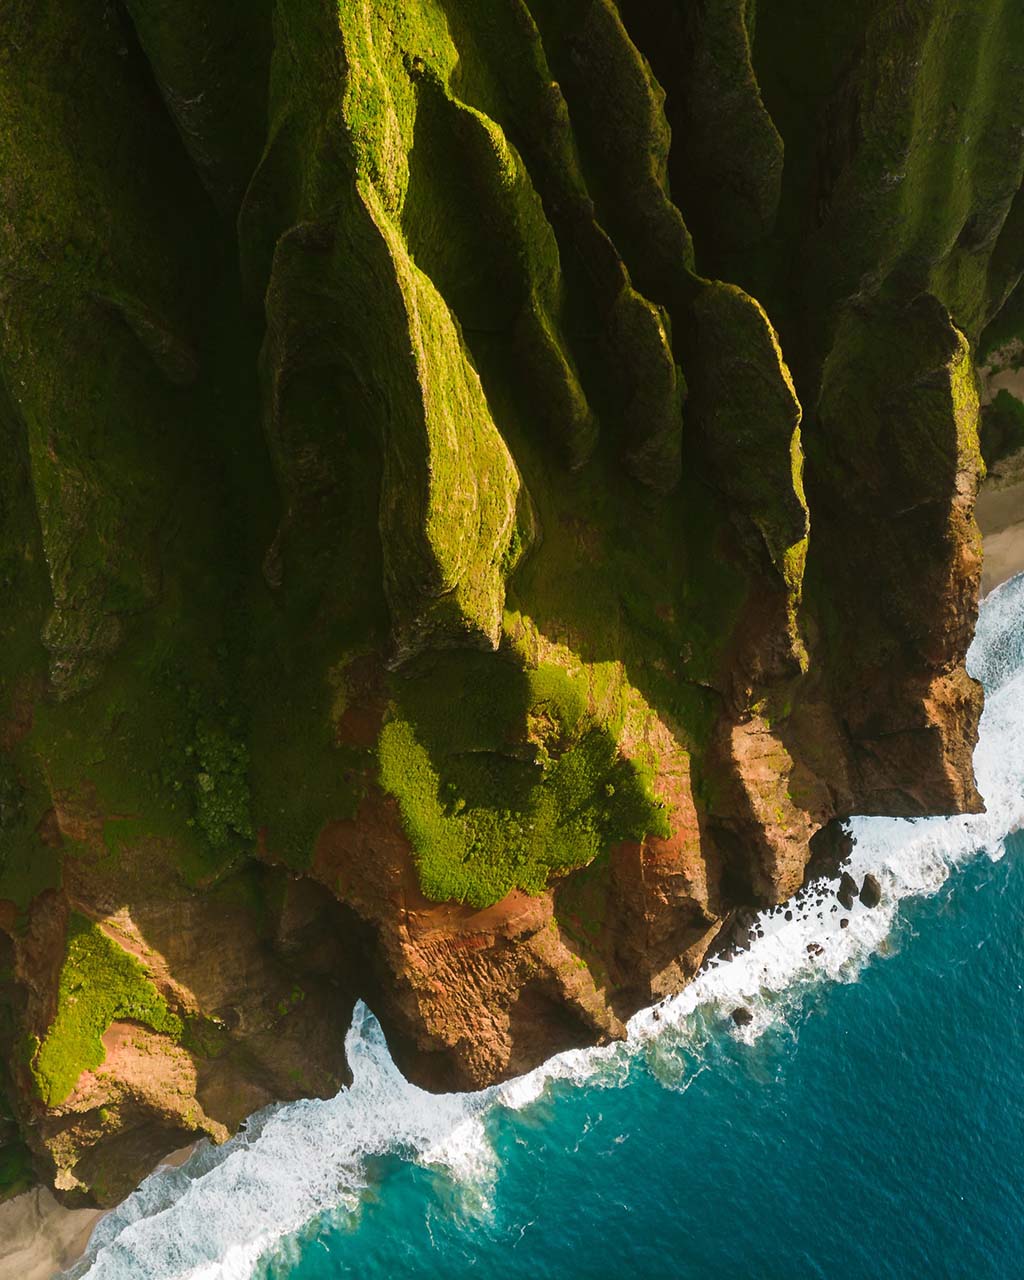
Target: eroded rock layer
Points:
(483, 488)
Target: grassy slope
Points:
(99, 982)
(449, 167)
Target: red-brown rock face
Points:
(480, 498)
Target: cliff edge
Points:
(485, 490)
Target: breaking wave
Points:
(216, 1216)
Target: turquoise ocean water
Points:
(868, 1123)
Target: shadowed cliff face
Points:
(480, 493)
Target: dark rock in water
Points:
(789, 915)
(406, 511)
(815, 949)
(828, 848)
(871, 891)
(656, 1015)
(847, 892)
(844, 923)
(742, 1016)
(737, 934)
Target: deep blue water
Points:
(881, 1135)
(868, 1124)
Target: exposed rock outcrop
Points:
(482, 494)
(871, 891)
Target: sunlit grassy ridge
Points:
(506, 776)
(99, 983)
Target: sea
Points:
(868, 1122)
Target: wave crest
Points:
(217, 1215)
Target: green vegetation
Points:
(746, 406)
(581, 902)
(1007, 325)
(16, 1173)
(223, 802)
(99, 983)
(506, 776)
(1002, 427)
(464, 482)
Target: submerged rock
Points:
(400, 317)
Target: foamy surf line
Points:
(216, 1216)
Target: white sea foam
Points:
(215, 1216)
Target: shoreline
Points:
(40, 1237)
(1000, 516)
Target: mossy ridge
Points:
(221, 116)
(475, 224)
(460, 528)
(450, 500)
(624, 150)
(927, 161)
(85, 292)
(745, 404)
(470, 514)
(100, 983)
(726, 159)
(615, 337)
(898, 444)
(967, 160)
(1002, 428)
(505, 777)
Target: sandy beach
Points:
(39, 1237)
(1001, 519)
(1000, 509)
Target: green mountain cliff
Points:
(484, 486)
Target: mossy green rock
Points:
(99, 982)
(461, 461)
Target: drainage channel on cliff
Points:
(703, 1138)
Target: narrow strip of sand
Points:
(1000, 514)
(39, 1237)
